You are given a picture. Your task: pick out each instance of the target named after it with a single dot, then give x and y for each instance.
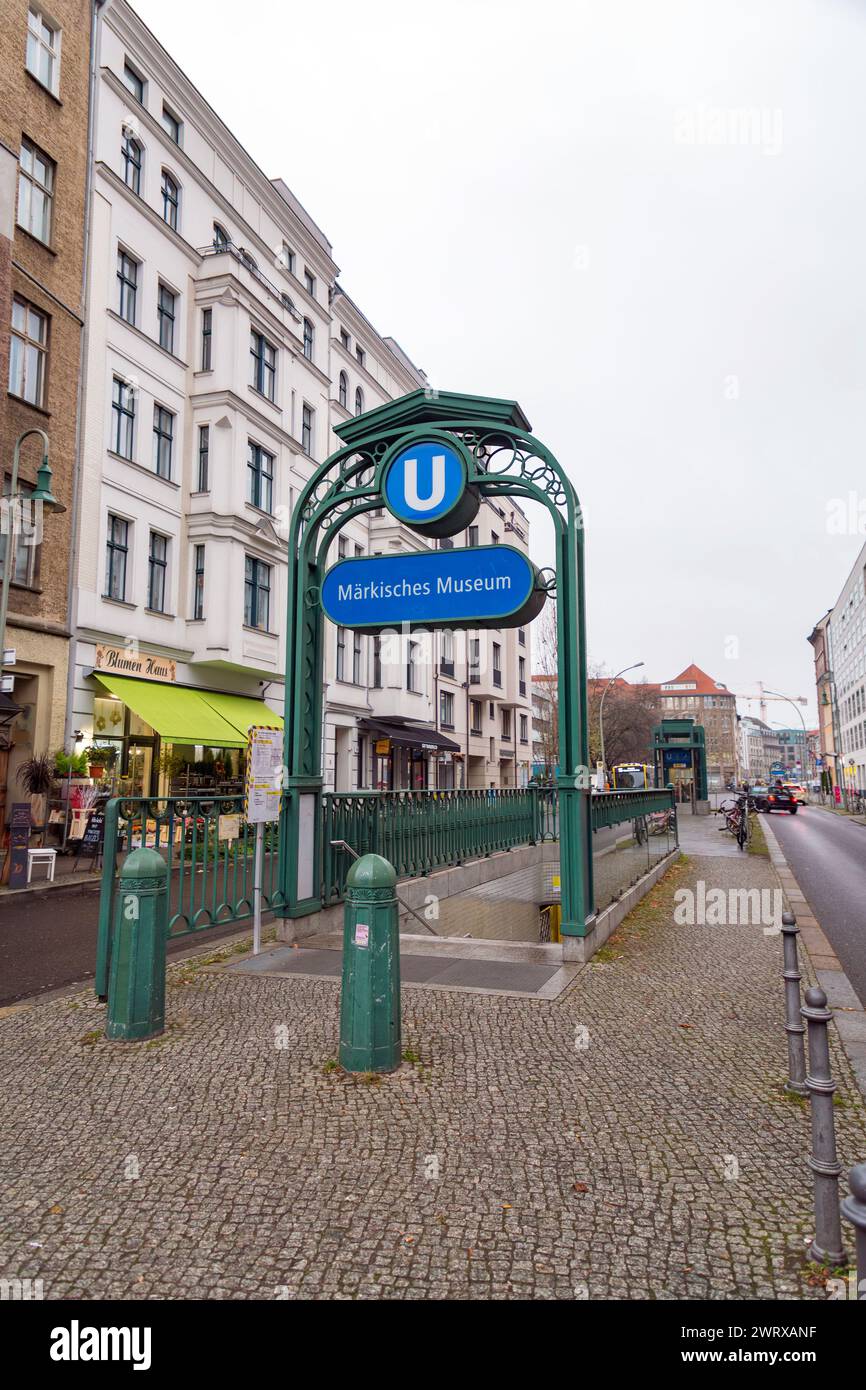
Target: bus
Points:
(631, 777)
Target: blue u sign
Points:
(486, 586)
(424, 485)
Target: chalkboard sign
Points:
(19, 841)
(93, 840)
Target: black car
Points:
(776, 798)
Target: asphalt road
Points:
(827, 854)
(49, 940)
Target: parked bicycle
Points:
(737, 817)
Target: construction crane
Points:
(763, 696)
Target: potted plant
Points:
(101, 758)
(70, 765)
(36, 775)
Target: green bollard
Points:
(136, 985)
(370, 996)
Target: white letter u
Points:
(437, 484)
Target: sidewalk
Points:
(627, 1139)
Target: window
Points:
(263, 365)
(474, 660)
(446, 660)
(307, 430)
(287, 258)
(521, 674)
(342, 548)
(171, 123)
(341, 653)
(505, 715)
(524, 728)
(170, 199)
(344, 391)
(359, 401)
(165, 311)
(157, 563)
(521, 636)
(197, 582)
(43, 51)
(123, 418)
(308, 340)
(134, 81)
(377, 662)
(221, 238)
(203, 457)
(497, 664)
(35, 191)
(356, 658)
(206, 338)
(446, 709)
(26, 539)
(117, 550)
(473, 535)
(257, 594)
(132, 159)
(28, 352)
(260, 477)
(360, 354)
(127, 279)
(345, 339)
(411, 665)
(475, 715)
(309, 282)
(163, 439)
(494, 538)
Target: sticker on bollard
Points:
(370, 994)
(136, 987)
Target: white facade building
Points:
(846, 642)
(220, 354)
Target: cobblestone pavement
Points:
(511, 1161)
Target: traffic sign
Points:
(424, 484)
(264, 774)
(480, 586)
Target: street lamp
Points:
(779, 696)
(44, 498)
(613, 680)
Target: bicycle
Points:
(737, 821)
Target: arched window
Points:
(359, 401)
(247, 259)
(221, 238)
(133, 158)
(170, 199)
(308, 339)
(344, 391)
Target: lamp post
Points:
(43, 497)
(779, 696)
(613, 680)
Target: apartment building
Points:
(839, 642)
(45, 61)
(221, 353)
(753, 735)
(825, 742)
(694, 694)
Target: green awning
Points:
(241, 711)
(177, 714)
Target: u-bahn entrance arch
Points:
(430, 457)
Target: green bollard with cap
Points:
(370, 996)
(136, 985)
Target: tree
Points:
(630, 711)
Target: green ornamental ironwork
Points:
(502, 459)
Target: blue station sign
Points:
(481, 586)
(424, 485)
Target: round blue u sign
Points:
(424, 482)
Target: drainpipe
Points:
(81, 395)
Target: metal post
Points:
(136, 989)
(826, 1248)
(794, 1026)
(257, 888)
(854, 1210)
(370, 994)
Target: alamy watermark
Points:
(757, 126)
(729, 907)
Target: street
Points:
(827, 854)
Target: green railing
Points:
(208, 846)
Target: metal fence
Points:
(209, 848)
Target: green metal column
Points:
(136, 988)
(370, 997)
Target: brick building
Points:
(695, 695)
(45, 65)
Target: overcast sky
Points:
(646, 222)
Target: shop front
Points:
(152, 738)
(408, 757)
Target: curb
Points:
(848, 1013)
